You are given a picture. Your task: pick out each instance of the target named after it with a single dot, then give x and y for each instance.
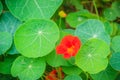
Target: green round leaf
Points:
(73, 77)
(92, 56)
(5, 42)
(28, 68)
(8, 23)
(116, 7)
(1, 7)
(108, 74)
(71, 70)
(29, 9)
(116, 43)
(56, 60)
(36, 38)
(115, 61)
(109, 14)
(5, 66)
(92, 28)
(74, 18)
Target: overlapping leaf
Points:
(71, 70)
(29, 9)
(92, 56)
(115, 61)
(28, 68)
(36, 38)
(56, 60)
(73, 77)
(110, 14)
(116, 7)
(115, 43)
(5, 42)
(8, 23)
(92, 28)
(108, 74)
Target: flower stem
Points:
(95, 8)
(59, 73)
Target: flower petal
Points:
(60, 49)
(67, 56)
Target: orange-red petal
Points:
(69, 46)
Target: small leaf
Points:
(110, 14)
(92, 56)
(74, 18)
(28, 68)
(31, 9)
(56, 60)
(1, 7)
(73, 77)
(5, 42)
(116, 7)
(71, 70)
(36, 38)
(108, 74)
(115, 61)
(92, 28)
(115, 43)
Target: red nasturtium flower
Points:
(69, 46)
(53, 75)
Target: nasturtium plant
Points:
(28, 68)
(55, 60)
(36, 37)
(108, 74)
(69, 46)
(108, 27)
(115, 28)
(59, 40)
(73, 77)
(8, 23)
(110, 14)
(116, 7)
(92, 57)
(75, 18)
(29, 9)
(115, 42)
(5, 66)
(92, 28)
(115, 61)
(5, 42)
(1, 7)
(71, 70)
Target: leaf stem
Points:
(95, 8)
(86, 75)
(60, 23)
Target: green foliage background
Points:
(31, 29)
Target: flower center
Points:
(70, 50)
